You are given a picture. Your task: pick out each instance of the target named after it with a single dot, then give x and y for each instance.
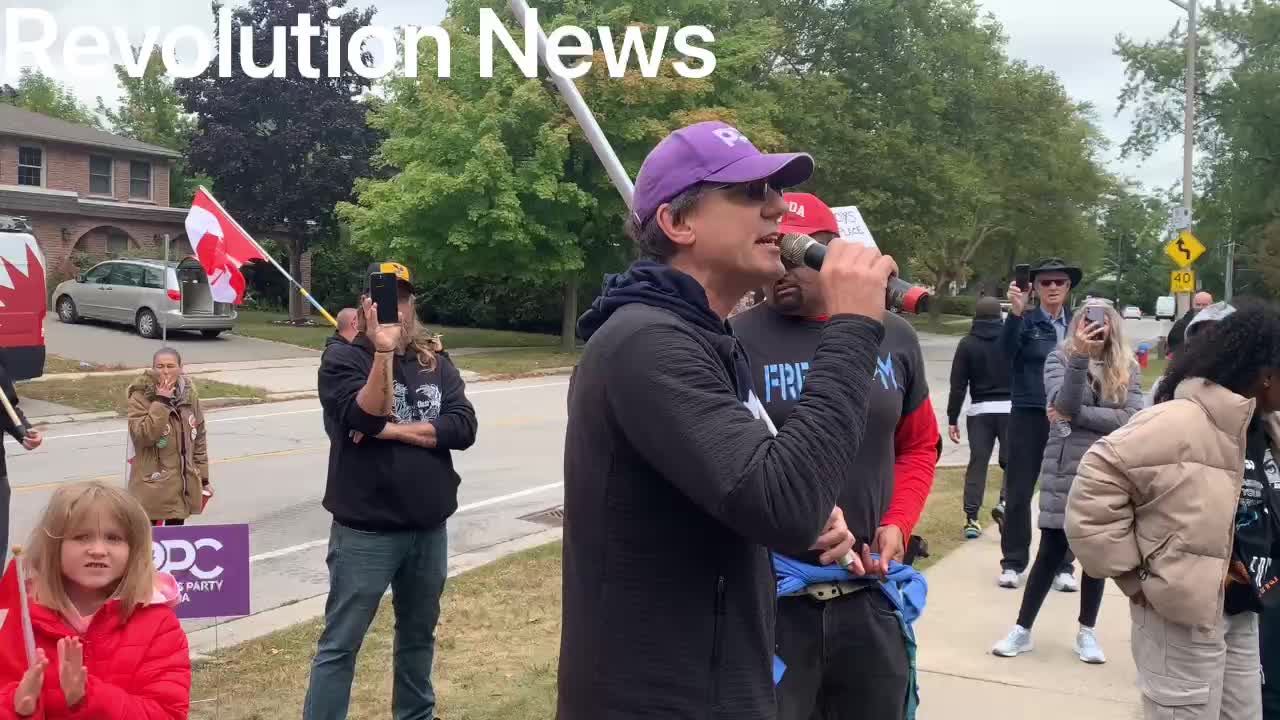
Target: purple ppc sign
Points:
(211, 565)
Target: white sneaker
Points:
(1065, 582)
(1018, 641)
(1087, 647)
(1010, 579)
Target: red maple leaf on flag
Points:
(221, 245)
(13, 654)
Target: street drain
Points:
(553, 516)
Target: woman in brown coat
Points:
(168, 457)
(1180, 507)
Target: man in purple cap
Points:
(675, 481)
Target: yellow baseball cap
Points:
(400, 271)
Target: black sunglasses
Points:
(756, 191)
(1051, 282)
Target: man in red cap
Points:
(844, 650)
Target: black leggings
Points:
(1053, 548)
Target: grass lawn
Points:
(58, 364)
(1155, 368)
(942, 522)
(514, 362)
(266, 325)
(947, 324)
(497, 644)
(95, 394)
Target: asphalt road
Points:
(104, 343)
(269, 465)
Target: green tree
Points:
(493, 178)
(960, 160)
(284, 150)
(40, 93)
(1237, 103)
(1132, 227)
(151, 111)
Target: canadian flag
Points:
(221, 245)
(15, 622)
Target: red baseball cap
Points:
(807, 214)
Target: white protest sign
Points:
(852, 226)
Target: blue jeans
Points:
(361, 566)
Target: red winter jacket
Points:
(139, 670)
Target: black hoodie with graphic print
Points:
(673, 490)
(387, 485)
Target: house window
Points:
(100, 175)
(140, 180)
(117, 242)
(30, 166)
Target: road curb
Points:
(548, 372)
(205, 641)
(76, 417)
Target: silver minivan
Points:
(147, 294)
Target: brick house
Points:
(89, 191)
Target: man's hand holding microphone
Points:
(855, 278)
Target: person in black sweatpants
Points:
(1029, 335)
(980, 368)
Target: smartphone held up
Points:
(382, 291)
(1022, 277)
(1094, 315)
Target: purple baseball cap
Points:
(709, 152)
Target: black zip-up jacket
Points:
(673, 490)
(386, 485)
(980, 367)
(1027, 341)
(6, 424)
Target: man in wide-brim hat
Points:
(1029, 335)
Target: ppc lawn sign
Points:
(211, 565)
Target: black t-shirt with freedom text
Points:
(780, 348)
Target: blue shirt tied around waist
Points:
(905, 587)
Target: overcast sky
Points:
(1073, 38)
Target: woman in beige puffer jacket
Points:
(169, 465)
(1158, 506)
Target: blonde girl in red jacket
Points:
(108, 644)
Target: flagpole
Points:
(586, 119)
(272, 260)
(28, 636)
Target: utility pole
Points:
(1188, 131)
(1119, 271)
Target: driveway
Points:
(108, 344)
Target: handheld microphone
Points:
(800, 249)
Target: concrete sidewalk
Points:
(967, 613)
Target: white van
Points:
(1166, 307)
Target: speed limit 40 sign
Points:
(1182, 281)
